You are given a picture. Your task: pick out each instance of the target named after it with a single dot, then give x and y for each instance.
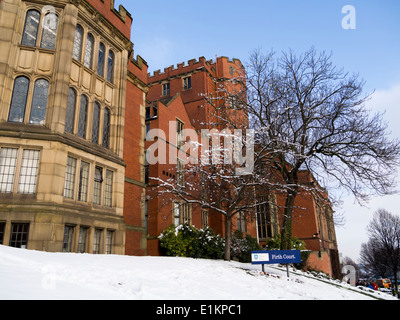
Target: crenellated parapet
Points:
(216, 68)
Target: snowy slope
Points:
(26, 275)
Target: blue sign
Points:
(276, 257)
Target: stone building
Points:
(65, 69)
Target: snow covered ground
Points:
(27, 275)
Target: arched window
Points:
(39, 102)
(71, 106)
(31, 28)
(110, 67)
(106, 128)
(88, 60)
(77, 52)
(96, 123)
(49, 35)
(100, 63)
(19, 99)
(83, 111)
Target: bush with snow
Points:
(188, 241)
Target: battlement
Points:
(120, 18)
(192, 65)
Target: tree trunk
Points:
(286, 232)
(396, 285)
(228, 237)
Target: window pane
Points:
(69, 185)
(77, 52)
(39, 102)
(110, 67)
(100, 63)
(19, 235)
(83, 231)
(18, 101)
(83, 117)
(8, 162)
(97, 241)
(70, 116)
(109, 241)
(264, 218)
(49, 36)
(106, 128)
(108, 189)
(29, 171)
(68, 238)
(88, 60)
(176, 214)
(83, 182)
(31, 28)
(98, 181)
(2, 231)
(166, 89)
(96, 123)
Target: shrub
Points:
(241, 247)
(187, 241)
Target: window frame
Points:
(110, 238)
(182, 213)
(71, 111)
(101, 64)
(96, 117)
(28, 101)
(22, 237)
(264, 218)
(19, 178)
(97, 240)
(40, 29)
(2, 231)
(45, 46)
(69, 238)
(83, 240)
(106, 130)
(82, 126)
(180, 130)
(98, 185)
(15, 103)
(108, 198)
(166, 89)
(75, 55)
(85, 182)
(187, 83)
(110, 66)
(87, 54)
(35, 109)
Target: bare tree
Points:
(215, 186)
(382, 253)
(373, 259)
(309, 115)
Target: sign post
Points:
(276, 257)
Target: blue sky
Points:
(169, 32)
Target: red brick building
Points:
(87, 59)
(179, 94)
(313, 222)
